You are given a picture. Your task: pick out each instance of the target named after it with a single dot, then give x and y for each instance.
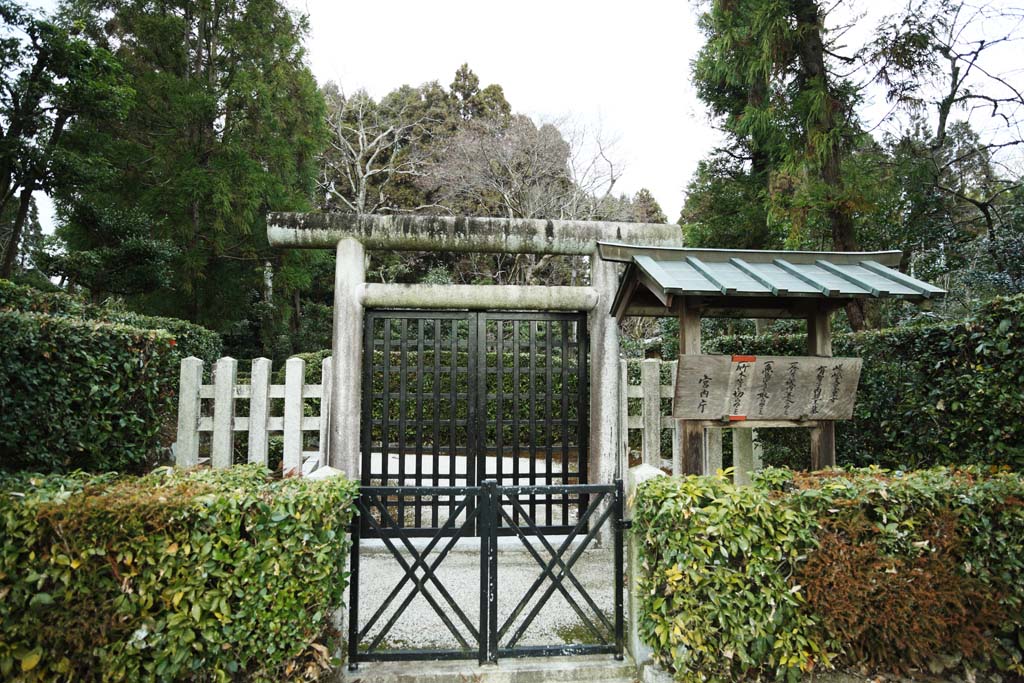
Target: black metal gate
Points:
(451, 399)
(478, 624)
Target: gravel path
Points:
(419, 626)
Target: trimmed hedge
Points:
(81, 394)
(191, 339)
(205, 575)
(807, 572)
(940, 394)
(87, 387)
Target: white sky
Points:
(619, 67)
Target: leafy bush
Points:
(80, 394)
(802, 572)
(190, 339)
(203, 575)
(940, 394)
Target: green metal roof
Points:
(834, 276)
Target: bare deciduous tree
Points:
(370, 146)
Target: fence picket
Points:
(294, 378)
(222, 445)
(650, 382)
(259, 410)
(325, 410)
(191, 381)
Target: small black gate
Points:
(453, 398)
(472, 618)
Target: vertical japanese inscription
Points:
(819, 379)
(705, 392)
(765, 388)
(763, 393)
(739, 388)
(790, 387)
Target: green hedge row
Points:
(937, 394)
(808, 572)
(82, 394)
(191, 339)
(205, 575)
(88, 387)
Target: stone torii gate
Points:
(352, 235)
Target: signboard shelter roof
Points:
(748, 282)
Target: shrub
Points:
(802, 572)
(948, 393)
(190, 339)
(204, 575)
(80, 394)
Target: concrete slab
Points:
(602, 668)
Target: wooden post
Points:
(325, 410)
(222, 446)
(691, 440)
(712, 449)
(742, 456)
(650, 384)
(823, 435)
(186, 450)
(677, 431)
(259, 410)
(294, 378)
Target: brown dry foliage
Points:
(897, 612)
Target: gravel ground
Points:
(419, 626)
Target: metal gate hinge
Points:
(626, 524)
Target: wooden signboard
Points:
(751, 388)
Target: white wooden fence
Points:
(272, 408)
(645, 406)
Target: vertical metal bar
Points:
(499, 395)
(473, 441)
(436, 415)
(617, 523)
(369, 396)
(453, 412)
(516, 388)
(385, 427)
(533, 416)
(478, 378)
(353, 596)
(548, 418)
(564, 367)
(483, 524)
(418, 465)
(494, 493)
(403, 406)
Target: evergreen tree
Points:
(226, 126)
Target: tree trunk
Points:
(11, 252)
(821, 131)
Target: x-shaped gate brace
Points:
(485, 507)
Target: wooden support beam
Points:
(691, 436)
(823, 436)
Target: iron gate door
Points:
(479, 618)
(453, 398)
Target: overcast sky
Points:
(618, 67)
(621, 67)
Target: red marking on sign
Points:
(737, 418)
(744, 359)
